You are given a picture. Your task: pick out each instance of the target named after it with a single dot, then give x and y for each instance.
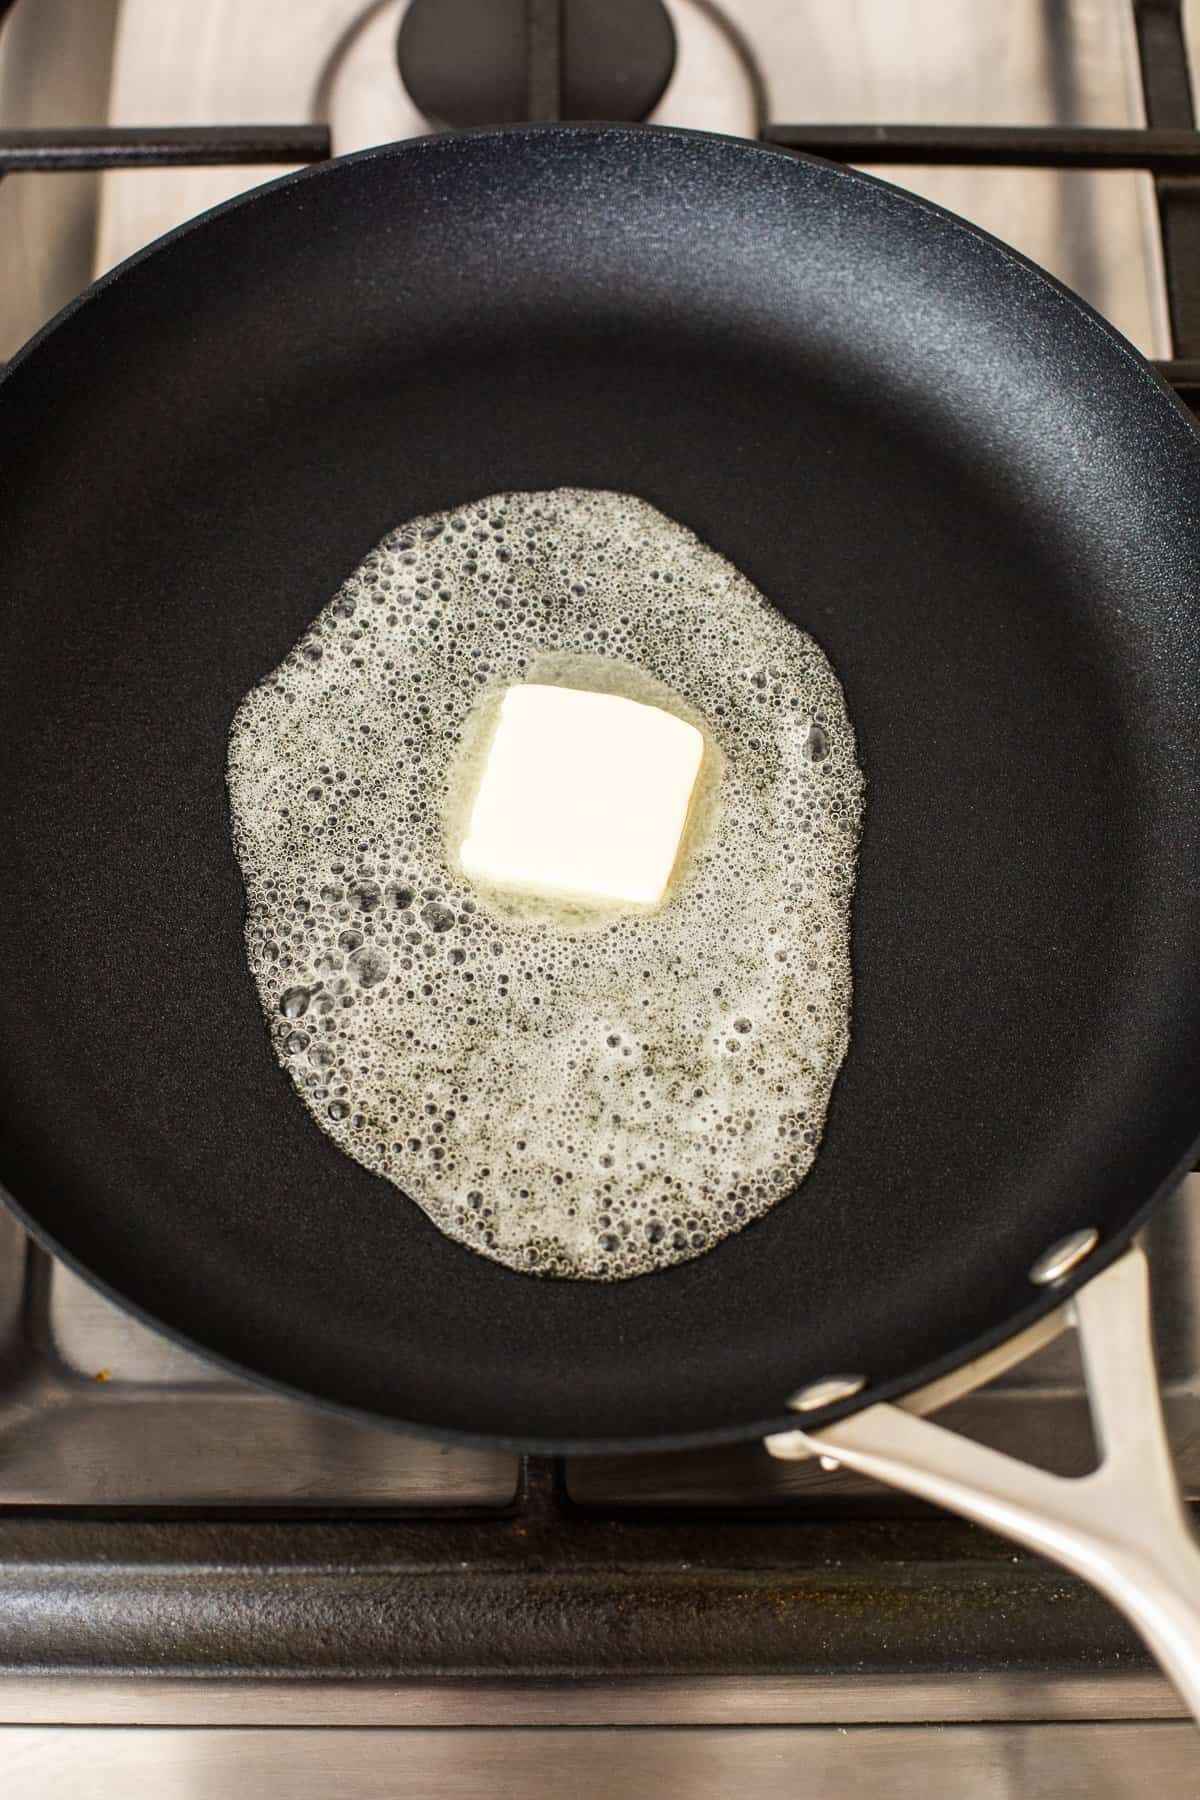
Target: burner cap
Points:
(466, 62)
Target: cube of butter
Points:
(583, 796)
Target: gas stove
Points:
(182, 1550)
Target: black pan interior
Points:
(941, 464)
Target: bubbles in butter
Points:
(572, 1094)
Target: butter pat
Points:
(583, 797)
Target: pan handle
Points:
(1124, 1527)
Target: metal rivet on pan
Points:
(1062, 1257)
(827, 1393)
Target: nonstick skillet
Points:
(971, 491)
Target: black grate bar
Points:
(546, 1594)
(1166, 85)
(1184, 376)
(1166, 152)
(161, 146)
(544, 66)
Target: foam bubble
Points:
(571, 1093)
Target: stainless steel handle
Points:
(1124, 1527)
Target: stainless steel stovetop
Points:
(121, 1453)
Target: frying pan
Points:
(968, 487)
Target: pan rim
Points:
(1044, 1301)
(440, 142)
